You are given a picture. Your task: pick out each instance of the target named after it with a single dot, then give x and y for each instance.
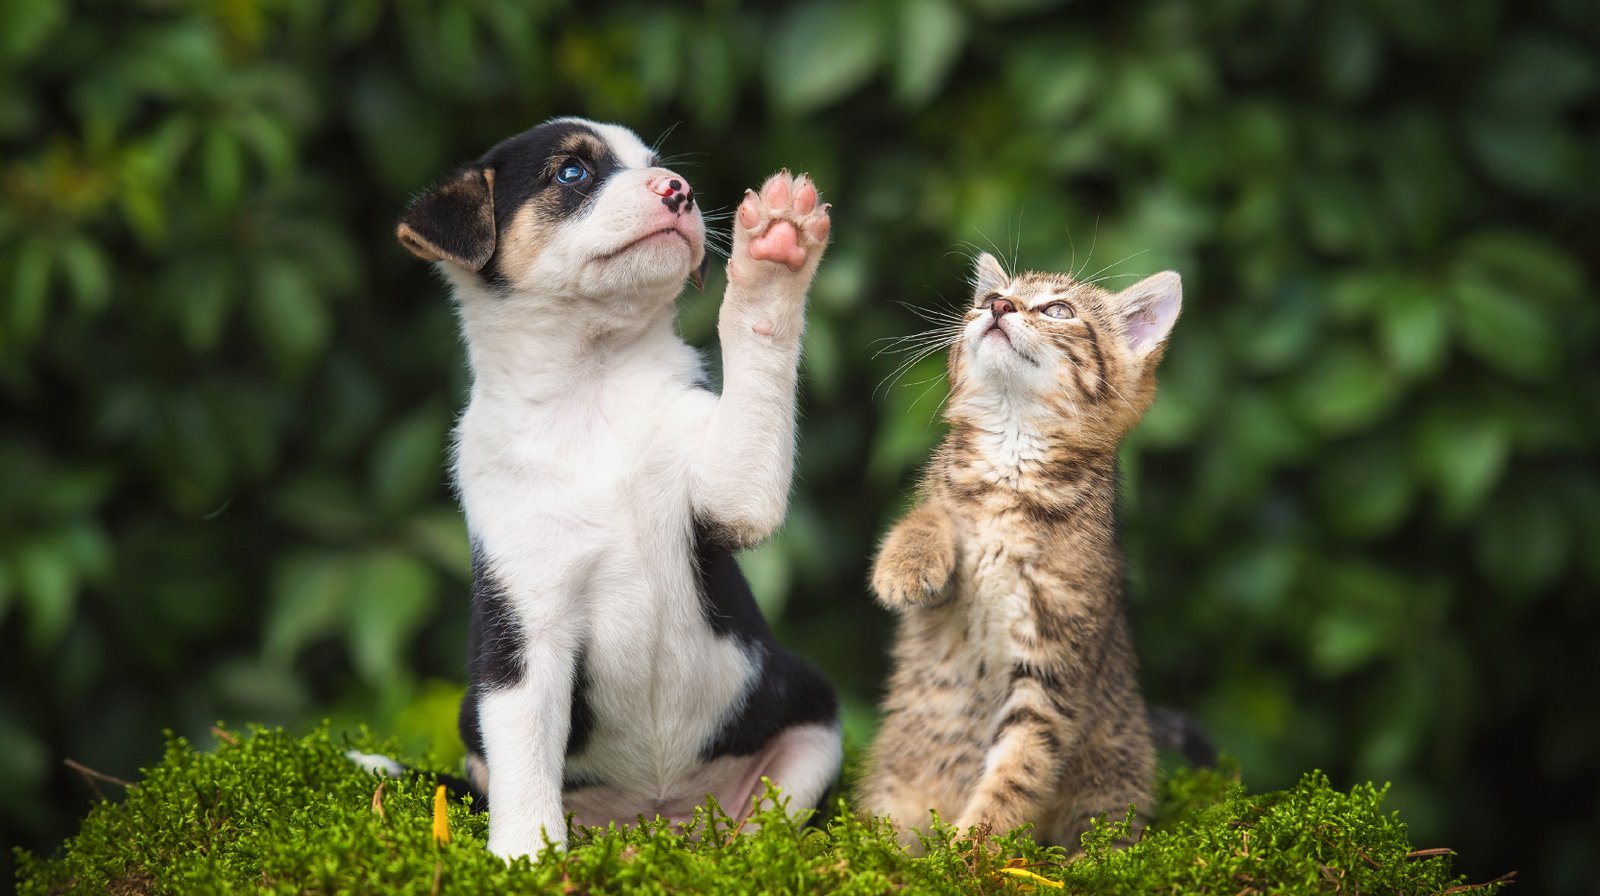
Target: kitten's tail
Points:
(1179, 733)
(457, 787)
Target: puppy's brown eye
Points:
(1059, 310)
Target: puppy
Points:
(619, 666)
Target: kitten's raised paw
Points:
(914, 567)
(782, 224)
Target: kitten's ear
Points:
(1148, 310)
(988, 276)
(454, 221)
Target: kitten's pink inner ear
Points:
(1150, 308)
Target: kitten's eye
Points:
(1059, 310)
(988, 301)
(571, 172)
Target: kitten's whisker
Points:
(896, 348)
(1094, 241)
(889, 381)
(932, 381)
(934, 315)
(1016, 243)
(1112, 265)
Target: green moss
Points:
(278, 814)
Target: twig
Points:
(377, 801)
(224, 735)
(1429, 853)
(734, 832)
(90, 776)
(1507, 878)
(438, 875)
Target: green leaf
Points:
(821, 51)
(1507, 330)
(1360, 607)
(1541, 70)
(930, 38)
(205, 288)
(824, 359)
(1345, 390)
(26, 25)
(392, 594)
(714, 82)
(1526, 264)
(87, 271)
(1349, 52)
(1522, 150)
(291, 320)
(222, 168)
(1052, 81)
(409, 464)
(1413, 328)
(662, 52)
(441, 536)
(1366, 489)
(47, 580)
(28, 298)
(1523, 542)
(310, 599)
(1461, 453)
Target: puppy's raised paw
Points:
(784, 224)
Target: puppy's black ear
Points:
(454, 221)
(698, 275)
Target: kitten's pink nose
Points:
(1002, 307)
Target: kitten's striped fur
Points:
(1014, 696)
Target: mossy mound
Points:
(271, 813)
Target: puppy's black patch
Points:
(788, 691)
(494, 648)
(453, 222)
(494, 637)
(582, 713)
(525, 169)
(725, 598)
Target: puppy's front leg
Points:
(741, 475)
(525, 726)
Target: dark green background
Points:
(1364, 514)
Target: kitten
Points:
(1014, 696)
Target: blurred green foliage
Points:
(1364, 514)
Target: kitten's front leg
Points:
(917, 560)
(741, 476)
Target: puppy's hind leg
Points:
(803, 762)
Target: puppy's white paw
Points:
(783, 225)
(511, 845)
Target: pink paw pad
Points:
(783, 220)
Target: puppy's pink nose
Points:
(675, 192)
